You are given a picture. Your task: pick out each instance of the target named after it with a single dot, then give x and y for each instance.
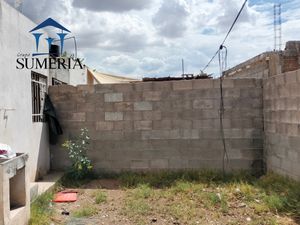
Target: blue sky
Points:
(142, 38)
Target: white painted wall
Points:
(18, 130)
(70, 76)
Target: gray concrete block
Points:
(78, 116)
(113, 97)
(123, 106)
(203, 104)
(143, 125)
(142, 106)
(203, 84)
(183, 85)
(113, 116)
(133, 115)
(123, 125)
(159, 164)
(152, 115)
(139, 164)
(102, 125)
(152, 95)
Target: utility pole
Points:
(277, 27)
(182, 67)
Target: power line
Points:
(229, 31)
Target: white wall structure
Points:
(16, 126)
(73, 76)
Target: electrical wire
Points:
(222, 65)
(229, 31)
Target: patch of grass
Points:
(41, 210)
(85, 211)
(275, 202)
(137, 207)
(181, 187)
(281, 194)
(248, 191)
(259, 207)
(142, 191)
(100, 196)
(264, 221)
(164, 179)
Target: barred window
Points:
(38, 90)
(57, 82)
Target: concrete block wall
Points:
(268, 64)
(162, 125)
(282, 123)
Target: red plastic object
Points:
(65, 197)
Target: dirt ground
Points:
(181, 205)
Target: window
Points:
(38, 90)
(57, 82)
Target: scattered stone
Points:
(154, 220)
(248, 219)
(241, 205)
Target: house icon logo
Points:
(38, 35)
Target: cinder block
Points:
(131, 115)
(203, 84)
(180, 104)
(104, 125)
(291, 77)
(123, 125)
(78, 116)
(139, 164)
(162, 85)
(231, 93)
(143, 86)
(152, 96)
(228, 83)
(181, 124)
(205, 164)
(113, 97)
(132, 96)
(103, 88)
(85, 107)
(190, 134)
(143, 125)
(123, 106)
(142, 106)
(86, 88)
(241, 83)
(65, 106)
(67, 89)
(182, 85)
(165, 124)
(113, 116)
(160, 134)
(159, 164)
(152, 115)
(203, 104)
(128, 87)
(178, 163)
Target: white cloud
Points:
(170, 19)
(112, 5)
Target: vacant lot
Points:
(174, 198)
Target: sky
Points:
(148, 38)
